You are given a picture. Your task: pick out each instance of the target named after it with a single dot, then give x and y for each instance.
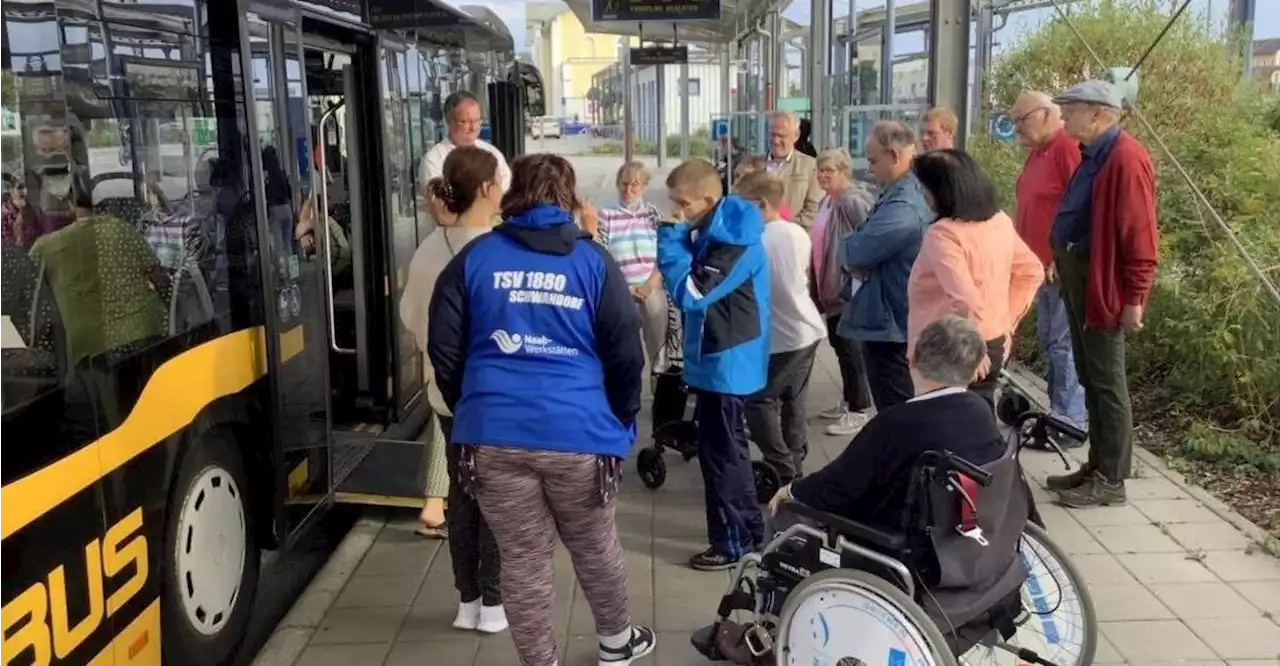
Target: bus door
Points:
(297, 247)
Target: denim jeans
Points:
(1053, 331)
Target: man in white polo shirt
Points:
(462, 112)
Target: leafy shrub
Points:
(1211, 346)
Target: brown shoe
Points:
(1061, 482)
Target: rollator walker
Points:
(675, 429)
(673, 426)
(960, 581)
(1038, 430)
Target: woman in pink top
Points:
(972, 262)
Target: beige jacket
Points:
(424, 270)
(799, 175)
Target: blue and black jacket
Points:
(719, 278)
(535, 340)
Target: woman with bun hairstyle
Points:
(471, 192)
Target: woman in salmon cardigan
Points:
(972, 262)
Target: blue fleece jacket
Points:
(719, 278)
(535, 340)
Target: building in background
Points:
(1266, 63)
(567, 57)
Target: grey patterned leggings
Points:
(527, 498)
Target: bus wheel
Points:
(211, 558)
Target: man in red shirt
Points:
(1052, 158)
(1104, 244)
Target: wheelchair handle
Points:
(947, 461)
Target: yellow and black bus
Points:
(209, 208)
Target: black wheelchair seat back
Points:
(974, 533)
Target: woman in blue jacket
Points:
(535, 341)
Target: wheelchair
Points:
(672, 429)
(828, 590)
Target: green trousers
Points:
(1100, 363)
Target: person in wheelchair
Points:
(868, 481)
(927, 501)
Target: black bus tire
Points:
(205, 618)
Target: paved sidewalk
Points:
(1172, 581)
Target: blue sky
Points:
(1267, 22)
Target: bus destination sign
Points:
(659, 55)
(655, 10)
(412, 14)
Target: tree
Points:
(1212, 341)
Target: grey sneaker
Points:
(849, 424)
(1096, 491)
(835, 412)
(1061, 482)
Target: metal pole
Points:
(660, 108)
(949, 59)
(819, 87)
(981, 60)
(628, 129)
(684, 111)
(887, 33)
(1240, 26)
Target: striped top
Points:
(632, 238)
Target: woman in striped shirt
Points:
(630, 232)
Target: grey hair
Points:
(893, 135)
(790, 117)
(837, 157)
(949, 350)
(455, 100)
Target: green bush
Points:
(1211, 346)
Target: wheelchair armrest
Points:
(851, 529)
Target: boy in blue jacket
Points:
(714, 268)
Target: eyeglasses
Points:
(1024, 117)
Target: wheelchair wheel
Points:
(1011, 406)
(651, 467)
(846, 616)
(767, 479)
(1058, 622)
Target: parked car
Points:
(546, 127)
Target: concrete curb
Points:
(1154, 462)
(293, 633)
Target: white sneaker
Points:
(835, 412)
(849, 424)
(641, 643)
(493, 620)
(468, 618)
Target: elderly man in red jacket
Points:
(1104, 251)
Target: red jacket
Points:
(1124, 243)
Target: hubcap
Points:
(210, 550)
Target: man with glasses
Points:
(462, 112)
(797, 170)
(938, 131)
(1104, 242)
(1052, 156)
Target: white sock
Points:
(618, 640)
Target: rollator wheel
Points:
(1058, 622)
(651, 467)
(1011, 406)
(767, 479)
(842, 616)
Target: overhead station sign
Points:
(659, 55)
(413, 14)
(655, 10)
